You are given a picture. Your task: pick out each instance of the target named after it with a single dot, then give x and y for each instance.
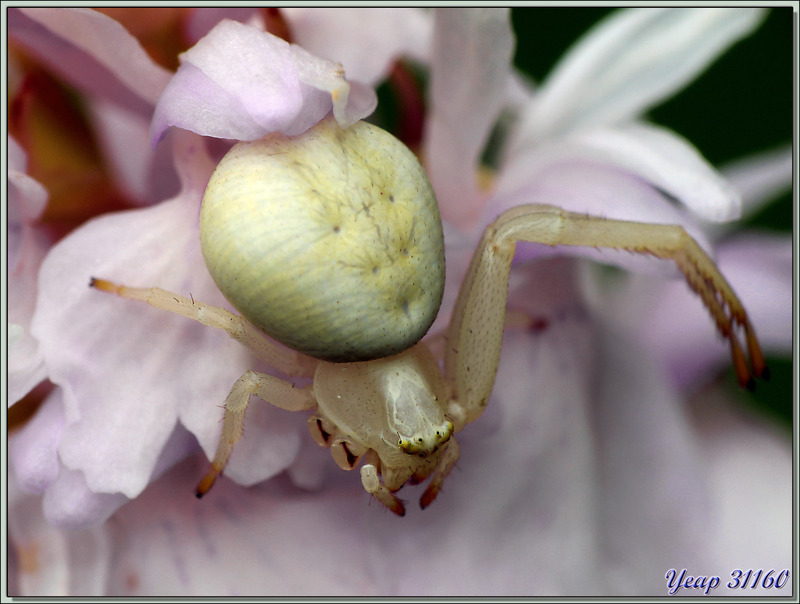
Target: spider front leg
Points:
(383, 492)
(476, 328)
(288, 362)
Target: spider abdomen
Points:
(330, 241)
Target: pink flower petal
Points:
(123, 366)
(147, 176)
(662, 158)
(69, 502)
(342, 34)
(50, 561)
(93, 52)
(241, 83)
(174, 545)
(470, 77)
(741, 443)
(645, 450)
(34, 451)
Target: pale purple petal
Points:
(311, 465)
(760, 269)
(33, 453)
(51, 561)
(116, 427)
(93, 52)
(270, 539)
(470, 78)
(649, 469)
(145, 175)
(27, 247)
(659, 156)
(599, 190)
(352, 101)
(194, 102)
(69, 502)
(123, 365)
(241, 83)
(631, 61)
(753, 524)
(342, 34)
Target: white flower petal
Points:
(654, 154)
(470, 75)
(342, 34)
(631, 61)
(760, 178)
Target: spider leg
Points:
(446, 462)
(476, 328)
(286, 361)
(371, 480)
(275, 391)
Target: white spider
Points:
(331, 243)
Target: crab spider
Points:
(331, 243)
